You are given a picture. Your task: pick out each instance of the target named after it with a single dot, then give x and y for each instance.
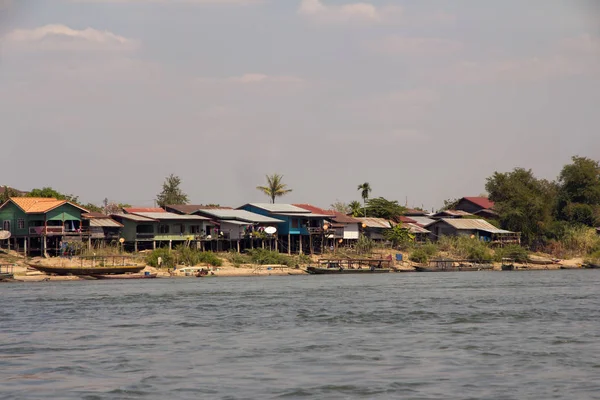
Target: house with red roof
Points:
(473, 205)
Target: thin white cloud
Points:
(63, 38)
(358, 12)
(415, 45)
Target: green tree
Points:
(275, 187)
(48, 192)
(364, 189)
(355, 208)
(92, 207)
(7, 193)
(380, 207)
(524, 203)
(398, 235)
(171, 192)
(579, 192)
(450, 204)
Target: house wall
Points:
(235, 231)
(351, 231)
(283, 228)
(12, 213)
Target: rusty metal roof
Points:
(414, 228)
(135, 210)
(344, 219)
(470, 224)
(164, 215)
(482, 202)
(133, 217)
(375, 222)
(241, 215)
(278, 208)
(105, 223)
(192, 208)
(314, 209)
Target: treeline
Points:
(549, 214)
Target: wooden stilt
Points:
(289, 243)
(300, 236)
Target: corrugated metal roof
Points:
(422, 220)
(243, 215)
(170, 216)
(134, 217)
(414, 228)
(344, 219)
(470, 224)
(91, 215)
(375, 222)
(105, 223)
(452, 213)
(192, 208)
(234, 222)
(482, 202)
(135, 210)
(304, 215)
(278, 208)
(314, 209)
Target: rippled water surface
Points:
(492, 335)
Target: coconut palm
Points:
(365, 189)
(355, 207)
(275, 187)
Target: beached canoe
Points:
(78, 270)
(126, 276)
(592, 266)
(336, 271)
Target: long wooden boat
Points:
(447, 265)
(569, 267)
(126, 276)
(592, 266)
(79, 270)
(350, 266)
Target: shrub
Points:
(264, 256)
(364, 245)
(168, 260)
(593, 258)
(513, 252)
(580, 240)
(419, 256)
(210, 258)
(238, 259)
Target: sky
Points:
(424, 100)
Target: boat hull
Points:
(125, 269)
(126, 276)
(344, 271)
(452, 269)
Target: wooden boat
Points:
(592, 266)
(447, 265)
(79, 270)
(569, 267)
(126, 276)
(350, 266)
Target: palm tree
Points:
(365, 189)
(355, 207)
(275, 187)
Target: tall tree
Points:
(524, 203)
(579, 192)
(275, 187)
(48, 192)
(171, 192)
(364, 189)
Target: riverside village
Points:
(47, 235)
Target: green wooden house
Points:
(38, 226)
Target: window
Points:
(195, 229)
(6, 225)
(294, 222)
(20, 224)
(163, 229)
(179, 228)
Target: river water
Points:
(471, 335)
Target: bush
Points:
(580, 240)
(264, 257)
(208, 257)
(419, 256)
(364, 245)
(238, 259)
(513, 252)
(168, 260)
(593, 258)
(466, 247)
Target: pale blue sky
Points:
(422, 99)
